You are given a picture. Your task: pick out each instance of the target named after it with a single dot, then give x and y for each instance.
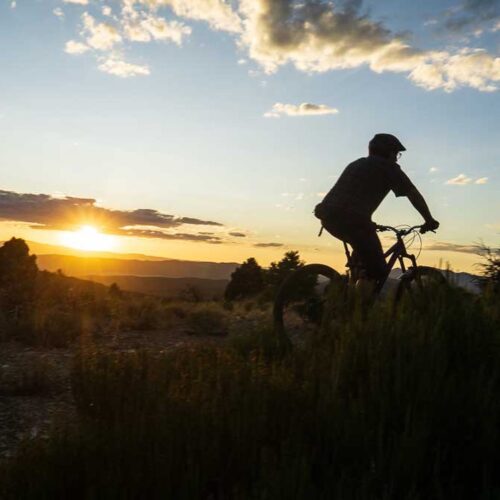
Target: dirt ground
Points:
(35, 389)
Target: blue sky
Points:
(190, 137)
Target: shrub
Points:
(381, 405)
(207, 319)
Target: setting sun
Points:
(87, 238)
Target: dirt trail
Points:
(35, 389)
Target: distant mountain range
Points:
(86, 266)
(163, 276)
(467, 281)
(45, 249)
(81, 263)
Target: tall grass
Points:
(379, 405)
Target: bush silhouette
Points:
(246, 281)
(278, 271)
(18, 274)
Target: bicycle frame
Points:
(396, 253)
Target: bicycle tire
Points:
(288, 286)
(413, 275)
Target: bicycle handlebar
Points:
(399, 232)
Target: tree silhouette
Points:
(278, 271)
(247, 280)
(491, 268)
(18, 273)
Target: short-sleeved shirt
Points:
(363, 185)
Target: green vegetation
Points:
(251, 280)
(490, 268)
(47, 309)
(378, 405)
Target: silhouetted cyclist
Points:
(347, 209)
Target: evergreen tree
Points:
(247, 280)
(491, 268)
(278, 271)
(18, 273)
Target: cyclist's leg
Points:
(368, 250)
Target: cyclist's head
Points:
(385, 145)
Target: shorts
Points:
(361, 234)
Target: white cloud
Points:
(304, 109)
(144, 27)
(481, 180)
(58, 12)
(99, 36)
(123, 69)
(217, 13)
(73, 47)
(474, 68)
(462, 180)
(13, 4)
(433, 170)
(319, 37)
(312, 35)
(459, 180)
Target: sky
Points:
(208, 130)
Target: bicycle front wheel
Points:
(296, 315)
(419, 280)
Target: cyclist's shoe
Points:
(430, 225)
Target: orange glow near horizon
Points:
(87, 238)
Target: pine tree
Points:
(246, 281)
(18, 273)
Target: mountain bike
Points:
(293, 311)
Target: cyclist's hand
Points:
(430, 225)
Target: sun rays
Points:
(87, 238)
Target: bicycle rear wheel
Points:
(295, 317)
(417, 281)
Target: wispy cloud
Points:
(77, 2)
(319, 37)
(472, 15)
(99, 36)
(141, 26)
(459, 180)
(463, 180)
(433, 170)
(73, 47)
(312, 35)
(481, 180)
(268, 245)
(123, 69)
(67, 213)
(441, 246)
(58, 12)
(304, 109)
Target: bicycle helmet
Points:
(386, 142)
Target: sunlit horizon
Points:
(88, 238)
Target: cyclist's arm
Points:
(417, 200)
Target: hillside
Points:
(86, 266)
(165, 287)
(46, 249)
